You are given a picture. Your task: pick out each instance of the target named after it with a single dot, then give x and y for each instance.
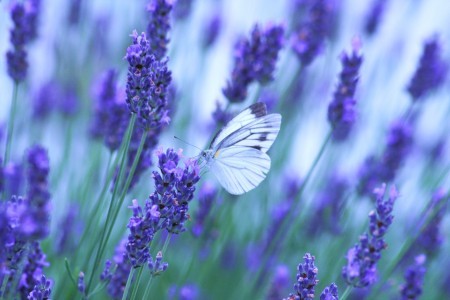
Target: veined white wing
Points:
(240, 169)
(259, 134)
(244, 118)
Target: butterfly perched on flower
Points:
(237, 154)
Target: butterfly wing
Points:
(240, 169)
(258, 134)
(244, 118)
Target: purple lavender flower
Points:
(306, 279)
(142, 229)
(46, 99)
(341, 111)
(185, 292)
(375, 14)
(33, 270)
(38, 195)
(206, 197)
(159, 26)
(69, 102)
(42, 290)
(220, 115)
(157, 266)
(34, 11)
(81, 285)
(308, 41)
(328, 206)
(431, 72)
(361, 270)
(118, 280)
(279, 283)
(330, 293)
(106, 98)
(431, 238)
(211, 30)
(255, 60)
(414, 276)
(20, 36)
(116, 123)
(147, 84)
(74, 12)
(175, 188)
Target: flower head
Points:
(279, 283)
(118, 280)
(431, 72)
(414, 277)
(33, 269)
(148, 80)
(330, 293)
(341, 111)
(212, 30)
(159, 26)
(375, 14)
(254, 60)
(306, 279)
(42, 290)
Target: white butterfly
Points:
(237, 154)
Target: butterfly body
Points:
(237, 154)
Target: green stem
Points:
(69, 271)
(129, 282)
(346, 292)
(12, 116)
(134, 288)
(116, 209)
(124, 152)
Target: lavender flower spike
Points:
(360, 270)
(158, 26)
(38, 195)
(309, 39)
(414, 276)
(255, 60)
(306, 279)
(330, 293)
(42, 290)
(341, 111)
(148, 80)
(431, 72)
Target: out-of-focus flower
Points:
(376, 13)
(341, 111)
(38, 195)
(42, 290)
(330, 293)
(147, 84)
(309, 39)
(221, 116)
(207, 194)
(74, 12)
(69, 229)
(361, 270)
(279, 283)
(306, 279)
(414, 276)
(106, 273)
(185, 292)
(254, 60)
(116, 124)
(270, 99)
(159, 26)
(13, 179)
(45, 100)
(118, 280)
(105, 99)
(33, 269)
(430, 73)
(211, 30)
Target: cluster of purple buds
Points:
(254, 60)
(414, 277)
(306, 279)
(118, 279)
(157, 266)
(211, 31)
(360, 270)
(24, 16)
(341, 111)
(148, 80)
(309, 39)
(159, 26)
(42, 290)
(33, 269)
(431, 72)
(166, 208)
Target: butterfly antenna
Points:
(187, 142)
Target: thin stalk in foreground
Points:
(149, 284)
(129, 281)
(346, 292)
(11, 121)
(124, 148)
(289, 219)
